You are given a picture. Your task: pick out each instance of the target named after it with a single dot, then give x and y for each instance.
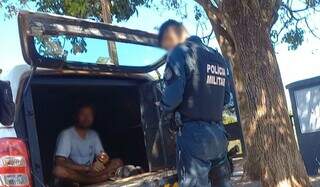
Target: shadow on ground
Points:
(239, 181)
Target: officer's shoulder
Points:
(214, 51)
(179, 50)
(218, 55)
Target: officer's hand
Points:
(166, 118)
(98, 166)
(167, 122)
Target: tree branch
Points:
(208, 37)
(215, 17)
(295, 15)
(275, 16)
(207, 5)
(216, 2)
(285, 25)
(310, 29)
(107, 18)
(291, 13)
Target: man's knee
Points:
(116, 162)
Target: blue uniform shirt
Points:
(181, 67)
(175, 77)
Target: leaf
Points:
(294, 38)
(197, 13)
(103, 60)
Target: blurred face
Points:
(171, 39)
(85, 117)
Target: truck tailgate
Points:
(166, 178)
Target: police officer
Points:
(197, 87)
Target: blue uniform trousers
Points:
(200, 146)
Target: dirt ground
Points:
(239, 181)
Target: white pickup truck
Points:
(67, 61)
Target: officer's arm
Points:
(175, 80)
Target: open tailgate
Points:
(33, 25)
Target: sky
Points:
(294, 65)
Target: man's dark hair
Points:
(83, 105)
(178, 26)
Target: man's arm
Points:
(98, 148)
(66, 174)
(175, 80)
(63, 151)
(102, 158)
(67, 163)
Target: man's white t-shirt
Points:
(80, 150)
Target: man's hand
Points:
(104, 158)
(98, 166)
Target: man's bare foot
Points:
(112, 167)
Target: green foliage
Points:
(78, 45)
(292, 19)
(87, 9)
(293, 22)
(55, 46)
(198, 13)
(290, 28)
(228, 119)
(9, 8)
(175, 4)
(103, 60)
(294, 38)
(124, 9)
(312, 3)
(51, 47)
(229, 114)
(120, 9)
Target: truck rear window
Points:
(96, 51)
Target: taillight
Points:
(14, 163)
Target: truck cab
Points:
(68, 60)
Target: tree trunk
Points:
(272, 153)
(107, 18)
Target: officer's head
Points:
(171, 34)
(84, 116)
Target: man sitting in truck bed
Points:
(80, 157)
